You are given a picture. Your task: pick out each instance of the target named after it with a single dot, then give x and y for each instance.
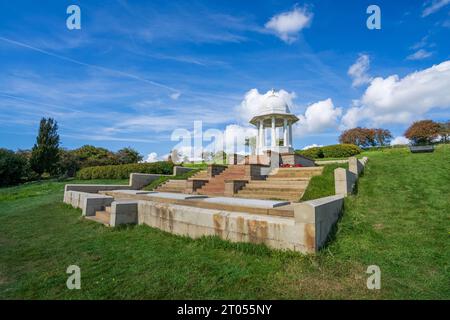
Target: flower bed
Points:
(287, 165)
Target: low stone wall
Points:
(137, 182)
(345, 180)
(293, 158)
(89, 203)
(179, 170)
(306, 233)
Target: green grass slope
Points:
(399, 221)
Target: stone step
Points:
(170, 190)
(102, 217)
(271, 192)
(274, 178)
(273, 188)
(266, 197)
(279, 183)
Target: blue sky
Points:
(137, 70)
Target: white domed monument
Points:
(274, 114)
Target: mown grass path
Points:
(399, 221)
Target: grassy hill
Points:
(399, 220)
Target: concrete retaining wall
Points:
(307, 232)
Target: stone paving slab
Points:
(176, 196)
(255, 203)
(133, 191)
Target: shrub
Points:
(333, 151)
(13, 167)
(123, 171)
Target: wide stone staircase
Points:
(216, 184)
(179, 186)
(102, 216)
(283, 184)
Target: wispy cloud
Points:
(433, 5)
(359, 71)
(419, 55)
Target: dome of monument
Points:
(274, 104)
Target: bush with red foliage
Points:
(423, 132)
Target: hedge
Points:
(333, 151)
(122, 171)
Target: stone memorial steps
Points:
(281, 182)
(172, 186)
(201, 175)
(102, 217)
(269, 188)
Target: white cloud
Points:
(175, 96)
(152, 157)
(401, 100)
(253, 100)
(399, 140)
(312, 146)
(358, 71)
(319, 117)
(287, 25)
(419, 55)
(433, 6)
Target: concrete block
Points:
(179, 170)
(319, 216)
(344, 181)
(124, 212)
(355, 166)
(140, 180)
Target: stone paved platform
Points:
(254, 203)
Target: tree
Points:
(444, 131)
(69, 163)
(94, 156)
(365, 137)
(12, 167)
(423, 132)
(45, 152)
(128, 155)
(382, 137)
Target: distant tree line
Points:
(48, 159)
(420, 132)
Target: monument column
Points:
(273, 133)
(261, 141)
(285, 133)
(290, 135)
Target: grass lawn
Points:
(399, 221)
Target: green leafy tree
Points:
(12, 167)
(69, 163)
(128, 155)
(90, 156)
(45, 152)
